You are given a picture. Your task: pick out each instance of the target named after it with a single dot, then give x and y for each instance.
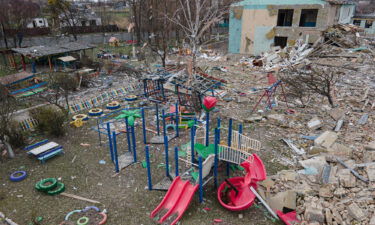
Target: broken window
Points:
(285, 17)
(308, 18)
(281, 41)
(357, 22)
(368, 23)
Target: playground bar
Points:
(200, 180)
(216, 156)
(176, 160)
(100, 136)
(229, 141)
(115, 152)
(134, 144)
(240, 131)
(149, 178)
(207, 128)
(157, 119)
(192, 131)
(177, 128)
(144, 127)
(166, 155)
(128, 134)
(110, 141)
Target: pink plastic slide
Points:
(175, 202)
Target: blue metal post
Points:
(200, 180)
(218, 123)
(128, 135)
(100, 136)
(115, 152)
(144, 127)
(176, 159)
(166, 156)
(177, 120)
(207, 128)
(157, 119)
(149, 178)
(216, 162)
(229, 142)
(164, 125)
(110, 141)
(134, 144)
(192, 134)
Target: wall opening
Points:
(308, 18)
(281, 41)
(368, 23)
(357, 22)
(285, 17)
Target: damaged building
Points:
(257, 25)
(366, 21)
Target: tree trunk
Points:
(4, 35)
(330, 100)
(74, 33)
(9, 148)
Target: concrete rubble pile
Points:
(331, 149)
(339, 40)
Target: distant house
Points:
(85, 17)
(366, 21)
(257, 25)
(38, 22)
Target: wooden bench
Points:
(44, 157)
(45, 150)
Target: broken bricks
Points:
(356, 212)
(326, 139)
(346, 178)
(315, 123)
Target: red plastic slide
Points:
(175, 202)
(255, 170)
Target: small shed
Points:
(49, 52)
(114, 42)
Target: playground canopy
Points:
(42, 51)
(67, 58)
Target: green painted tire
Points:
(44, 187)
(84, 222)
(37, 187)
(59, 189)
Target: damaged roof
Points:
(40, 51)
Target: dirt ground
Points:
(124, 196)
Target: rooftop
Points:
(41, 51)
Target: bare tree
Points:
(8, 106)
(195, 18)
(64, 14)
(137, 8)
(60, 85)
(15, 15)
(159, 29)
(315, 79)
